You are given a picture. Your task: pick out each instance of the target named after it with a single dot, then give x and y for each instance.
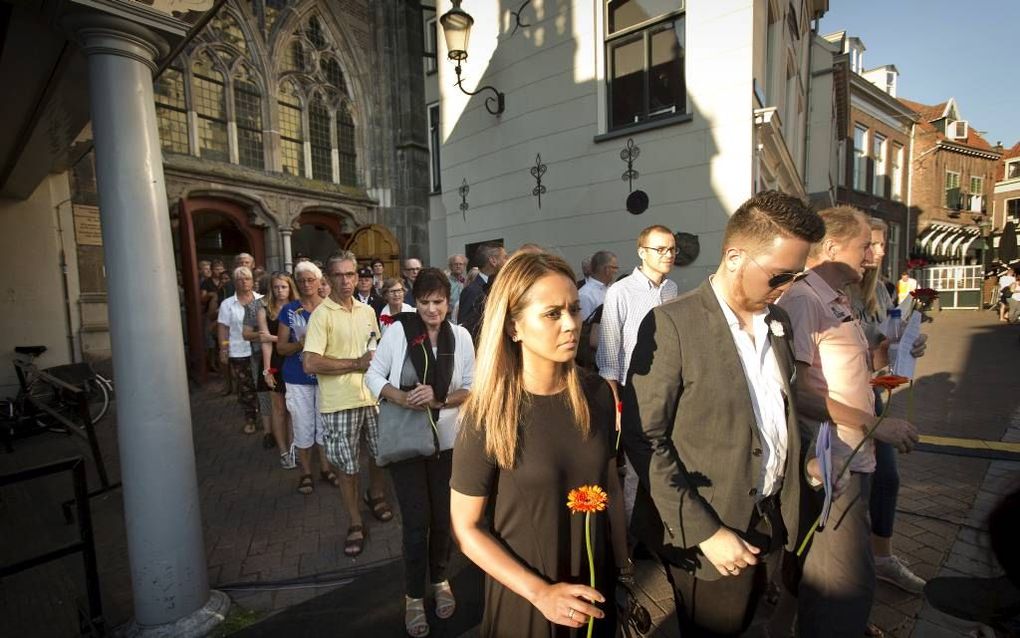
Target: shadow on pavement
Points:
(373, 605)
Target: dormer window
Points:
(1013, 169)
(957, 130)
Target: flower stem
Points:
(591, 564)
(846, 466)
(910, 401)
(428, 409)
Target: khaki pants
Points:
(838, 584)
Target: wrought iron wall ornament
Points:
(628, 155)
(464, 190)
(517, 17)
(537, 171)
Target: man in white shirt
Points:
(603, 273)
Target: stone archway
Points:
(198, 218)
(318, 234)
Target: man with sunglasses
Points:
(710, 424)
(834, 369)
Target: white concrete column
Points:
(161, 506)
(288, 259)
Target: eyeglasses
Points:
(395, 291)
(661, 251)
(343, 275)
(782, 278)
(411, 269)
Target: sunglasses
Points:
(780, 279)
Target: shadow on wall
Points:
(535, 173)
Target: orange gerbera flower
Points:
(587, 499)
(889, 381)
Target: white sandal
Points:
(446, 604)
(415, 621)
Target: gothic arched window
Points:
(172, 111)
(248, 116)
(292, 139)
(320, 137)
(346, 146)
(209, 101)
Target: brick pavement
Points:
(259, 529)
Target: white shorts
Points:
(303, 405)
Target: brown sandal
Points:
(380, 509)
(354, 546)
(329, 476)
(305, 484)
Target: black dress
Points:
(530, 515)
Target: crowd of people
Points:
(488, 394)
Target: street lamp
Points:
(457, 29)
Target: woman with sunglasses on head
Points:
(534, 428)
(281, 291)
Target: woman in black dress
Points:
(535, 427)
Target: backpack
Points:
(585, 356)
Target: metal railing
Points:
(91, 621)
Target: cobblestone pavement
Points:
(260, 534)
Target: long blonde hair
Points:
(865, 291)
(497, 394)
(273, 306)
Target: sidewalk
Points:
(258, 529)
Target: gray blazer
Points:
(690, 432)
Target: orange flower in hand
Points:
(587, 499)
(889, 381)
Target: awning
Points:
(948, 240)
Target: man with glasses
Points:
(834, 368)
(709, 421)
(412, 267)
(337, 352)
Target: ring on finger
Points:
(570, 614)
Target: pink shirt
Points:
(828, 339)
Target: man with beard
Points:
(709, 421)
(834, 367)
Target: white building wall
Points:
(32, 298)
(695, 172)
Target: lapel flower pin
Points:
(777, 328)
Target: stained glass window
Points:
(172, 111)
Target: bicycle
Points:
(35, 389)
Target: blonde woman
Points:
(282, 291)
(534, 427)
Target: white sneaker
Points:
(892, 570)
(287, 460)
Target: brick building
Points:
(953, 171)
(1006, 206)
(874, 164)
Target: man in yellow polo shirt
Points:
(336, 352)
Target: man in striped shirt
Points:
(626, 304)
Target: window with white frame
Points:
(952, 191)
(860, 180)
(645, 51)
(430, 47)
(893, 248)
(1013, 210)
(897, 172)
(1013, 169)
(434, 166)
(976, 197)
(878, 178)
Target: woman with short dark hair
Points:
(425, 364)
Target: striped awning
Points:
(943, 239)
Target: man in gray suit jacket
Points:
(709, 420)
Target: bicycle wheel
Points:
(98, 399)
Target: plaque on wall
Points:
(87, 229)
(688, 247)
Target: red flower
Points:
(889, 381)
(914, 264)
(587, 499)
(925, 295)
(420, 339)
(386, 320)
